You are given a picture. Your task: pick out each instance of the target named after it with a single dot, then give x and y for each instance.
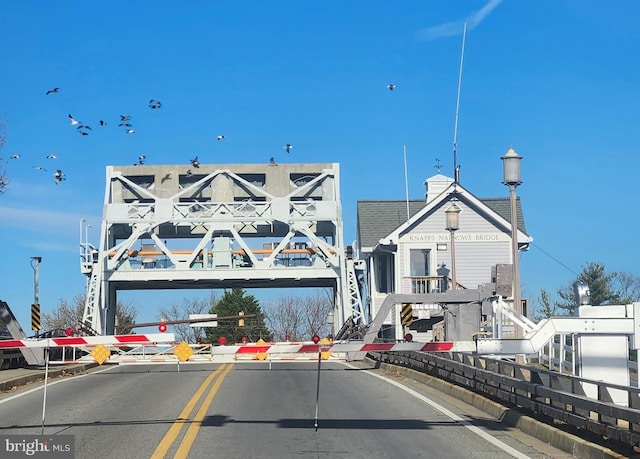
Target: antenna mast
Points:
(406, 179)
(455, 127)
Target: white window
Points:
(419, 262)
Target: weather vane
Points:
(437, 166)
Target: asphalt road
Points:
(254, 410)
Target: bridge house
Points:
(407, 249)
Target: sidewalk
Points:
(16, 377)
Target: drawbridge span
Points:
(216, 227)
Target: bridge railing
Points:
(559, 354)
(559, 397)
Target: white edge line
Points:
(51, 383)
(475, 429)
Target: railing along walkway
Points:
(559, 397)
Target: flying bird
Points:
(84, 126)
(125, 118)
(124, 125)
(288, 147)
(189, 173)
(15, 156)
(83, 133)
(59, 176)
(272, 161)
(155, 104)
(140, 161)
(52, 91)
(195, 163)
(130, 131)
(39, 168)
(391, 86)
(73, 121)
(51, 156)
(166, 177)
(102, 123)
(221, 137)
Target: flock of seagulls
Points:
(84, 129)
(125, 123)
(58, 176)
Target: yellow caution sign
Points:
(326, 354)
(100, 353)
(261, 355)
(406, 315)
(183, 351)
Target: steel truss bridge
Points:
(216, 227)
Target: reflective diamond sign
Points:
(325, 354)
(100, 353)
(183, 351)
(261, 355)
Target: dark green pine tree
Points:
(601, 288)
(232, 303)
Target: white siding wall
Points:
(475, 255)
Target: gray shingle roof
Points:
(377, 219)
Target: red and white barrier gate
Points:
(106, 340)
(342, 347)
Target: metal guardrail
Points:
(559, 397)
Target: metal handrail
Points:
(560, 397)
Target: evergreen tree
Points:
(547, 307)
(231, 304)
(601, 288)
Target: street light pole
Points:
(453, 223)
(511, 169)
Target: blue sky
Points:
(557, 79)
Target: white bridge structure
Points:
(280, 226)
(215, 227)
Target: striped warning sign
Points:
(406, 316)
(35, 317)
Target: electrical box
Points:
(502, 276)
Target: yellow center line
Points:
(175, 428)
(192, 431)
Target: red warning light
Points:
(244, 340)
(315, 339)
(408, 337)
(162, 328)
(69, 331)
(222, 341)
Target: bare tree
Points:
(628, 287)
(186, 332)
(69, 314)
(299, 318)
(284, 317)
